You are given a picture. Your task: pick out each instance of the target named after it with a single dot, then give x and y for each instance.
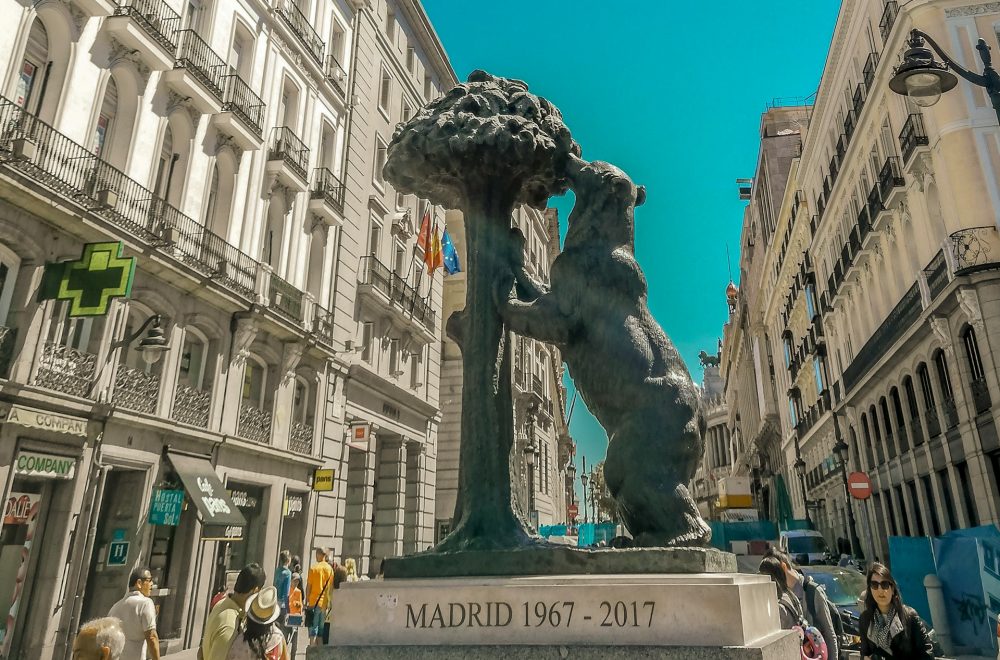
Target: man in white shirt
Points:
(138, 617)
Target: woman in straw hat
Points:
(259, 638)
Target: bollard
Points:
(939, 613)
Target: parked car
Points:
(805, 546)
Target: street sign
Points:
(90, 283)
(166, 507)
(117, 553)
(859, 485)
(572, 511)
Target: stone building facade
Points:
(232, 148)
(717, 461)
(541, 486)
(886, 285)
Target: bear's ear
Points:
(640, 195)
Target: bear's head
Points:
(605, 201)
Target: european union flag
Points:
(450, 255)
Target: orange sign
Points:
(360, 435)
(20, 508)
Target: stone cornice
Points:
(973, 10)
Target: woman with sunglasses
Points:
(889, 629)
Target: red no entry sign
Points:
(859, 485)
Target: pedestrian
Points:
(889, 629)
(789, 609)
(138, 616)
(225, 618)
(351, 568)
(318, 596)
(100, 639)
(296, 564)
(258, 638)
(283, 583)
(812, 597)
(294, 620)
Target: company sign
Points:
(219, 514)
(323, 480)
(20, 507)
(166, 507)
(293, 505)
(46, 466)
(360, 435)
(47, 421)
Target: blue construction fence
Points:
(587, 534)
(724, 533)
(967, 562)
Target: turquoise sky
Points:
(670, 92)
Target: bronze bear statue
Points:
(626, 369)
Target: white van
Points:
(798, 542)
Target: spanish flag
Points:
(434, 258)
(424, 237)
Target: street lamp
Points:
(924, 79)
(800, 469)
(841, 449)
(583, 480)
(154, 344)
(530, 451)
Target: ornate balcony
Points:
(858, 101)
(326, 198)
(285, 299)
(242, 113)
(976, 248)
(891, 183)
(913, 138)
(950, 412)
(981, 395)
(916, 431)
(288, 159)
(66, 370)
(198, 73)
(336, 75)
(868, 73)
(387, 291)
(147, 27)
(933, 422)
(889, 15)
(73, 173)
(254, 424)
(192, 405)
(302, 29)
(136, 390)
(300, 438)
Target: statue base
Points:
(561, 560)
(732, 616)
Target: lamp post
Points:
(583, 480)
(800, 469)
(841, 449)
(571, 478)
(151, 347)
(924, 79)
(530, 454)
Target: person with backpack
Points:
(791, 615)
(318, 596)
(815, 605)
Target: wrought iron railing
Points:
(975, 248)
(850, 123)
(336, 74)
(192, 405)
(916, 431)
(889, 15)
(300, 438)
(155, 17)
(912, 136)
(327, 187)
(868, 73)
(936, 274)
(8, 338)
(285, 298)
(933, 422)
(36, 149)
(875, 205)
(376, 274)
(286, 146)
(65, 369)
(889, 177)
(300, 26)
(323, 326)
(950, 412)
(858, 101)
(981, 395)
(198, 57)
(239, 99)
(136, 390)
(254, 424)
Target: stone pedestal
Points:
(583, 616)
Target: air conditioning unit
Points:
(24, 148)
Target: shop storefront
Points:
(41, 485)
(293, 526)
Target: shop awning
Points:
(216, 510)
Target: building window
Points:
(411, 58)
(380, 155)
(786, 343)
(818, 374)
(949, 499)
(390, 25)
(792, 412)
(385, 92)
(367, 336)
(977, 375)
(394, 369)
(416, 359)
(374, 239)
(427, 87)
(407, 111)
(944, 380)
(811, 300)
(965, 483)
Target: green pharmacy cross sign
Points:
(90, 283)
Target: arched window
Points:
(103, 130)
(165, 163)
(947, 393)
(877, 434)
(914, 410)
(137, 382)
(193, 397)
(897, 407)
(254, 382)
(34, 75)
(257, 401)
(977, 374)
(869, 455)
(274, 234)
(303, 402)
(930, 406)
(890, 445)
